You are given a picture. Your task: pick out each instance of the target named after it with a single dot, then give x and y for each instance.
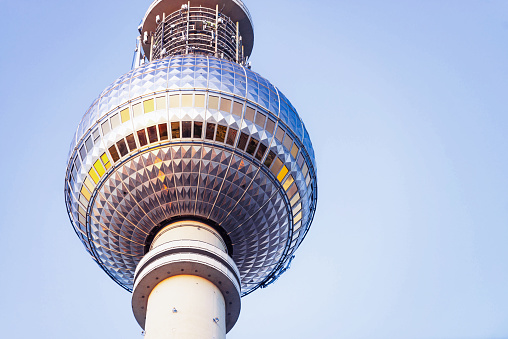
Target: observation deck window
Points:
(242, 142)
(175, 130)
(231, 136)
(221, 133)
(163, 131)
(198, 129)
(142, 137)
(131, 142)
(152, 134)
(186, 129)
(210, 131)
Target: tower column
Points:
(186, 286)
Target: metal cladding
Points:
(192, 136)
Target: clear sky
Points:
(406, 103)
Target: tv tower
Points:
(191, 179)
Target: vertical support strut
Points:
(187, 35)
(236, 39)
(151, 47)
(216, 28)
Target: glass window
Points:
(89, 184)
(292, 190)
(142, 137)
(270, 125)
(199, 100)
(277, 165)
(175, 130)
(307, 179)
(294, 150)
(163, 131)
(174, 101)
(297, 218)
(220, 135)
(305, 169)
(213, 102)
(251, 147)
(99, 167)
(115, 121)
(297, 208)
(210, 131)
(95, 134)
(148, 105)
(125, 115)
(160, 102)
(186, 129)
(137, 110)
(89, 143)
(114, 153)
(225, 105)
(105, 160)
(85, 193)
(288, 182)
(186, 100)
(300, 160)
(152, 134)
(260, 119)
(105, 127)
(242, 141)
(282, 173)
(261, 151)
(231, 136)
(131, 142)
(198, 129)
(280, 134)
(237, 108)
(93, 175)
(295, 199)
(288, 142)
(296, 228)
(84, 202)
(82, 152)
(269, 159)
(249, 114)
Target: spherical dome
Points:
(192, 137)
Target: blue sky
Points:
(406, 104)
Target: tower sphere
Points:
(195, 137)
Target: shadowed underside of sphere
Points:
(199, 137)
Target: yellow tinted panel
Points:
(125, 115)
(93, 175)
(199, 100)
(213, 102)
(297, 218)
(104, 158)
(288, 182)
(186, 100)
(89, 185)
(85, 193)
(99, 168)
(282, 173)
(148, 105)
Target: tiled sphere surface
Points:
(192, 136)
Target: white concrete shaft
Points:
(189, 230)
(185, 307)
